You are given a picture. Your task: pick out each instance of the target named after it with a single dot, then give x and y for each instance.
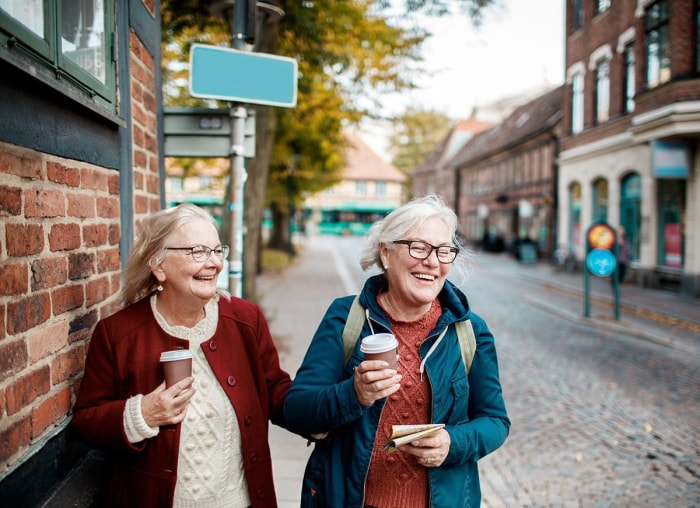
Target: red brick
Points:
(56, 172)
(64, 237)
(13, 358)
(2, 333)
(24, 166)
(114, 234)
(67, 365)
(97, 291)
(67, 298)
(43, 415)
(26, 389)
(14, 437)
(80, 265)
(27, 313)
(24, 239)
(108, 207)
(49, 272)
(113, 183)
(93, 179)
(10, 200)
(14, 279)
(50, 411)
(43, 342)
(81, 205)
(108, 260)
(95, 235)
(39, 203)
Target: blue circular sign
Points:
(601, 262)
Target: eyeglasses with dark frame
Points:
(422, 250)
(201, 253)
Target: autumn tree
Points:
(414, 135)
(348, 52)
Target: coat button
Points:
(231, 381)
(248, 420)
(253, 458)
(260, 494)
(213, 346)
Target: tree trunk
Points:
(258, 170)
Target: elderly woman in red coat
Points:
(203, 441)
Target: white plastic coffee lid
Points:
(379, 343)
(177, 354)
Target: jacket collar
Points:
(455, 306)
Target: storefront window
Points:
(671, 237)
(575, 219)
(631, 210)
(600, 200)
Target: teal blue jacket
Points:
(322, 399)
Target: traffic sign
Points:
(241, 76)
(601, 262)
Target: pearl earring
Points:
(159, 288)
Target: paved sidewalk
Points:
(294, 302)
(295, 299)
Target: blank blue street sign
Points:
(241, 76)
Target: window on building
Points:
(631, 209)
(575, 218)
(361, 188)
(577, 103)
(602, 91)
(74, 38)
(658, 46)
(672, 212)
(380, 188)
(577, 13)
(629, 85)
(602, 6)
(205, 182)
(600, 200)
(175, 183)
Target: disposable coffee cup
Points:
(177, 365)
(380, 346)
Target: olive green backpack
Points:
(356, 319)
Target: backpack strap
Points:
(356, 318)
(467, 342)
(353, 327)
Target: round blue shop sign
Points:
(601, 262)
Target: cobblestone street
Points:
(603, 414)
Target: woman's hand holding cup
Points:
(167, 406)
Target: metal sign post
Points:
(241, 77)
(601, 261)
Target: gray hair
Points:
(402, 221)
(149, 248)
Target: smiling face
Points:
(414, 283)
(188, 283)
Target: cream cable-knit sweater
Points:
(210, 467)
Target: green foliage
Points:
(415, 134)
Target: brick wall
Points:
(59, 273)
(144, 130)
(60, 265)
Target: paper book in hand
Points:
(403, 434)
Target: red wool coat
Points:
(124, 360)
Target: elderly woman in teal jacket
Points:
(349, 408)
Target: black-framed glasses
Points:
(422, 250)
(201, 253)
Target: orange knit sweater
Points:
(396, 479)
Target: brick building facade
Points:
(629, 153)
(79, 165)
